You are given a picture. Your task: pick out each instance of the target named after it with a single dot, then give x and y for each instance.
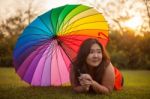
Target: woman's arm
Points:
(74, 83)
(80, 89)
(107, 81)
(98, 88)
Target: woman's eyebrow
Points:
(97, 49)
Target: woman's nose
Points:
(95, 55)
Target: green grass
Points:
(136, 86)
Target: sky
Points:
(11, 5)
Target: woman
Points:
(92, 70)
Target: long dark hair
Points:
(80, 65)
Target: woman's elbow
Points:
(106, 91)
(77, 89)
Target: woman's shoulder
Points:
(109, 71)
(110, 67)
(109, 77)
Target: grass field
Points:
(136, 86)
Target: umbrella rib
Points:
(47, 55)
(72, 16)
(58, 67)
(65, 18)
(33, 44)
(43, 67)
(52, 52)
(65, 51)
(63, 56)
(39, 61)
(67, 39)
(67, 23)
(68, 47)
(93, 36)
(40, 29)
(81, 25)
(72, 38)
(24, 50)
(57, 21)
(46, 26)
(31, 62)
(24, 36)
(72, 32)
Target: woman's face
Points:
(95, 56)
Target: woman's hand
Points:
(85, 81)
(86, 76)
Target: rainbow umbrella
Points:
(46, 47)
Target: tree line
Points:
(128, 51)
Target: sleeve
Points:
(118, 79)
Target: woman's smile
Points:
(95, 56)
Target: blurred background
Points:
(129, 24)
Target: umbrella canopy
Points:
(46, 47)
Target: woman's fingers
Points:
(86, 76)
(85, 82)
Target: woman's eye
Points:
(91, 52)
(99, 52)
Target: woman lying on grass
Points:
(92, 70)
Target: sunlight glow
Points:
(56, 3)
(134, 22)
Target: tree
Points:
(31, 9)
(117, 12)
(147, 5)
(10, 29)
